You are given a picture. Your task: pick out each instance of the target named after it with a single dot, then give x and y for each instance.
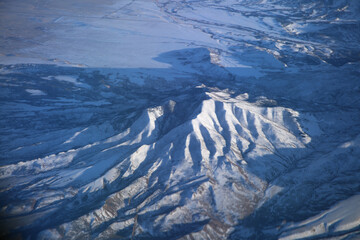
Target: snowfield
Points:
(136, 119)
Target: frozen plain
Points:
(180, 119)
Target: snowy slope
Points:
(338, 220)
(161, 119)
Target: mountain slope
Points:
(162, 119)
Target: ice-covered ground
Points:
(137, 119)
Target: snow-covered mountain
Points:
(162, 119)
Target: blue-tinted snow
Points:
(137, 119)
